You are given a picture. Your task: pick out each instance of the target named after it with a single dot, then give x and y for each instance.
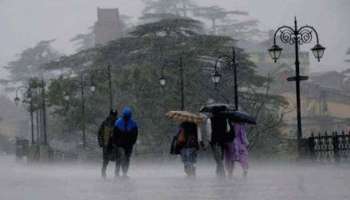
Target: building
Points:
(108, 27)
(325, 104)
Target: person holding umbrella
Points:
(219, 133)
(188, 139)
(237, 151)
(227, 139)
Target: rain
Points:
(174, 99)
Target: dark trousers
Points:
(218, 153)
(123, 155)
(107, 153)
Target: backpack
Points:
(223, 130)
(177, 142)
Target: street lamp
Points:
(81, 82)
(66, 97)
(318, 51)
(296, 36)
(92, 88)
(109, 76)
(43, 102)
(275, 52)
(17, 100)
(162, 82)
(216, 77)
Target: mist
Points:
(24, 23)
(116, 96)
(164, 180)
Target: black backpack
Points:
(174, 148)
(219, 130)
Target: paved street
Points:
(149, 181)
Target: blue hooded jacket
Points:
(125, 129)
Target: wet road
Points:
(167, 182)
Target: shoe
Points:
(104, 175)
(116, 176)
(245, 174)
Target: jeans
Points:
(189, 158)
(107, 153)
(218, 153)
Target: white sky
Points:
(23, 23)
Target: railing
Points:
(334, 147)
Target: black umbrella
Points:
(239, 116)
(216, 107)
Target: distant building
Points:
(108, 27)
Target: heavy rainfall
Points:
(174, 99)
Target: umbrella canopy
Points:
(239, 116)
(185, 116)
(217, 107)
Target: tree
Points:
(158, 9)
(84, 41)
(241, 30)
(215, 13)
(348, 53)
(137, 63)
(30, 61)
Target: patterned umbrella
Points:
(185, 116)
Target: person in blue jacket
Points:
(124, 139)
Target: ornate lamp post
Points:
(296, 36)
(216, 77)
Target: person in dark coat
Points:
(124, 138)
(189, 139)
(219, 132)
(104, 137)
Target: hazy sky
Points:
(25, 22)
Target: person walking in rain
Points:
(238, 150)
(219, 133)
(189, 140)
(124, 139)
(104, 137)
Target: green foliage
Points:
(348, 53)
(157, 9)
(137, 64)
(84, 41)
(216, 13)
(169, 27)
(29, 63)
